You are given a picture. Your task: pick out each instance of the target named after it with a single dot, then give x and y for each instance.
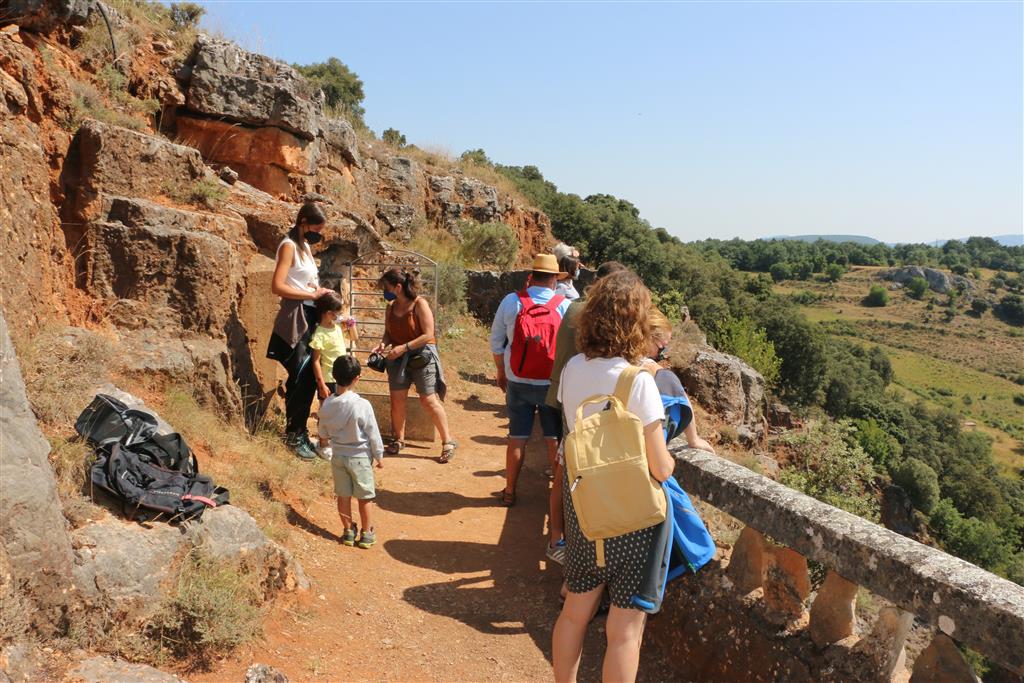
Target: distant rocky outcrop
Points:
(938, 281)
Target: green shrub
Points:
(186, 14)
(920, 482)
(979, 306)
(877, 296)
(744, 339)
(1011, 309)
(342, 88)
(881, 447)
(394, 137)
(670, 303)
(917, 287)
(827, 463)
(488, 244)
(834, 272)
(781, 271)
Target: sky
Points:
(898, 120)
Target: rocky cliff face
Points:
(163, 230)
(158, 232)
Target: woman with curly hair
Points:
(614, 332)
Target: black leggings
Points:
(301, 385)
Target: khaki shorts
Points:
(424, 378)
(353, 477)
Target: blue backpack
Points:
(681, 543)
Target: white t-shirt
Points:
(582, 378)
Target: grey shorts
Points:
(353, 477)
(424, 378)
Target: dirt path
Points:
(457, 588)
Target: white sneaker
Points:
(325, 452)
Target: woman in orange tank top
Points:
(412, 357)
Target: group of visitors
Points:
(553, 351)
(313, 339)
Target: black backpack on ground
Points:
(145, 471)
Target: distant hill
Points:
(1005, 240)
(856, 239)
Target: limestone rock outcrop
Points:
(225, 81)
(104, 669)
(722, 384)
(44, 15)
(938, 281)
(35, 546)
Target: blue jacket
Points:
(681, 543)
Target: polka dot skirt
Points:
(624, 557)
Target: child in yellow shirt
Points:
(332, 339)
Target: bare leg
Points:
(435, 408)
(345, 511)
(571, 627)
(513, 463)
(366, 514)
(398, 397)
(552, 445)
(625, 630)
(556, 525)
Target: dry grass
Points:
(62, 370)
(257, 468)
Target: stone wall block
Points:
(884, 645)
(833, 612)
(786, 584)
(746, 564)
(941, 662)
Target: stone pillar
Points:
(746, 564)
(786, 584)
(941, 662)
(833, 612)
(885, 643)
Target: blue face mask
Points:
(390, 296)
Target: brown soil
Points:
(456, 589)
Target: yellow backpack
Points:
(611, 486)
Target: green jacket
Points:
(565, 348)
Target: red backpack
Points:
(533, 342)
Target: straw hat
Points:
(547, 263)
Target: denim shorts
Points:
(424, 378)
(523, 400)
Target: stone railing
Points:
(964, 603)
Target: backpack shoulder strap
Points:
(554, 302)
(524, 299)
(624, 385)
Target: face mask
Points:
(313, 237)
(661, 355)
(390, 296)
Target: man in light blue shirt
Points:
(525, 393)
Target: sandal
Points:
(508, 499)
(394, 448)
(447, 452)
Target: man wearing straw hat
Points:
(523, 343)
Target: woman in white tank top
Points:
(297, 282)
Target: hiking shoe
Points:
(556, 552)
(348, 537)
(366, 539)
(303, 451)
(325, 452)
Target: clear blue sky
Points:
(898, 120)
